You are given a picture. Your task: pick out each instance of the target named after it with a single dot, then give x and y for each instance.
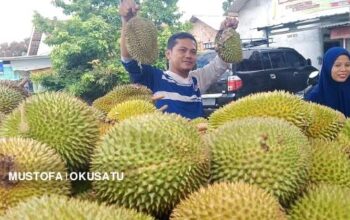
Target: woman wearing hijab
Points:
(333, 88)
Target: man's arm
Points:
(212, 71)
(127, 10)
(209, 73)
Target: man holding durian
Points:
(180, 87)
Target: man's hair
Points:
(181, 35)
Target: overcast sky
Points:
(16, 15)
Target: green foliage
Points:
(85, 55)
(226, 5)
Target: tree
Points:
(226, 5)
(85, 54)
(14, 48)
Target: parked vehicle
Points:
(262, 69)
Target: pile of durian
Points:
(266, 156)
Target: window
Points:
(266, 61)
(277, 60)
(294, 60)
(209, 45)
(251, 61)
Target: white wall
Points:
(259, 13)
(254, 14)
(307, 43)
(30, 64)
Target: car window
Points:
(266, 61)
(205, 58)
(277, 60)
(251, 61)
(294, 59)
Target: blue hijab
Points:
(329, 92)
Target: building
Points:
(204, 33)
(14, 68)
(37, 58)
(309, 26)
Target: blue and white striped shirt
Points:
(181, 95)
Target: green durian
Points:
(130, 108)
(20, 159)
(226, 201)
(268, 152)
(161, 157)
(267, 104)
(228, 45)
(141, 40)
(121, 94)
(59, 120)
(325, 202)
(55, 207)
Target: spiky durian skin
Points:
(226, 201)
(268, 104)
(198, 120)
(326, 202)
(162, 158)
(2, 117)
(120, 94)
(268, 152)
(141, 40)
(19, 155)
(55, 207)
(130, 108)
(325, 123)
(9, 99)
(228, 46)
(61, 121)
(329, 164)
(343, 138)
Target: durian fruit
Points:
(141, 40)
(55, 207)
(198, 120)
(228, 45)
(120, 94)
(268, 152)
(2, 117)
(24, 171)
(226, 201)
(267, 104)
(61, 121)
(343, 138)
(326, 202)
(329, 164)
(16, 85)
(162, 160)
(325, 123)
(130, 108)
(9, 98)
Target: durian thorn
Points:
(23, 125)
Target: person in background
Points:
(179, 86)
(333, 88)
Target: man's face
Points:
(182, 58)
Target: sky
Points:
(16, 15)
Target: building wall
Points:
(15, 64)
(261, 13)
(203, 34)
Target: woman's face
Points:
(341, 69)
